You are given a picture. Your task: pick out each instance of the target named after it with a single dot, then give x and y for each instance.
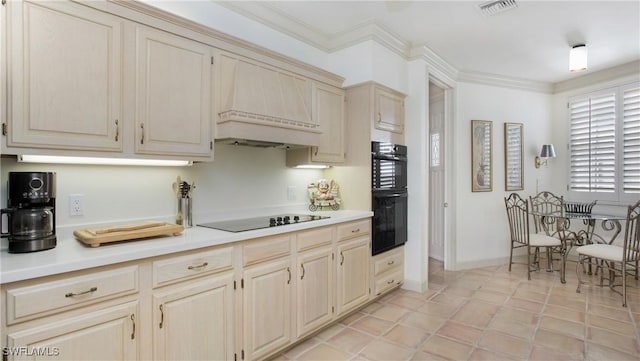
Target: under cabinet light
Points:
(312, 166)
(102, 161)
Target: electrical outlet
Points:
(76, 207)
(291, 193)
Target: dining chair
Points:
(520, 235)
(546, 202)
(626, 256)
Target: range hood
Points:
(258, 143)
(262, 103)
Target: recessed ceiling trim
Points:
(503, 81)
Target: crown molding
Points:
(631, 69)
(437, 66)
(271, 17)
(507, 82)
(370, 30)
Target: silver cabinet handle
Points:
(289, 271)
(161, 316)
(142, 131)
(302, 265)
(355, 230)
(117, 130)
(205, 264)
(72, 294)
(341, 258)
(390, 282)
(390, 263)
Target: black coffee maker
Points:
(31, 204)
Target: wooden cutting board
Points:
(94, 237)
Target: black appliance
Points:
(248, 224)
(31, 203)
(388, 196)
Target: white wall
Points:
(480, 220)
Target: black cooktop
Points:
(248, 224)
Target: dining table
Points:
(579, 228)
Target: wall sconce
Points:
(578, 58)
(546, 153)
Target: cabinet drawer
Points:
(45, 297)
(353, 229)
(388, 282)
(388, 260)
(266, 249)
(314, 238)
(183, 267)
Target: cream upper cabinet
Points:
(389, 110)
(195, 320)
(353, 258)
(65, 76)
(328, 112)
(314, 290)
(173, 95)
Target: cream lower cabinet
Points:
(267, 290)
(106, 334)
(267, 308)
(314, 290)
(353, 276)
(388, 271)
(194, 320)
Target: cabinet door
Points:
(329, 113)
(267, 308)
(353, 273)
(389, 111)
(64, 75)
(173, 88)
(194, 321)
(315, 290)
(109, 334)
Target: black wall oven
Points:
(388, 196)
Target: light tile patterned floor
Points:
(486, 314)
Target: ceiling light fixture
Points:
(578, 58)
(101, 161)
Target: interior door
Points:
(437, 200)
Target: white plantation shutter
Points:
(631, 139)
(592, 143)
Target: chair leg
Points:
(579, 265)
(563, 266)
(528, 262)
(511, 256)
(624, 284)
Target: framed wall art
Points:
(481, 156)
(513, 145)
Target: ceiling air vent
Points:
(495, 7)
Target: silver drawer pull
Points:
(198, 266)
(390, 263)
(390, 282)
(355, 230)
(90, 290)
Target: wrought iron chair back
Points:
(518, 216)
(546, 202)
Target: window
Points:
(604, 144)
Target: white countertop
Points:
(72, 255)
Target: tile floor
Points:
(486, 314)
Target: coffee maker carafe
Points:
(30, 211)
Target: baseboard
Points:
(415, 286)
(481, 263)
